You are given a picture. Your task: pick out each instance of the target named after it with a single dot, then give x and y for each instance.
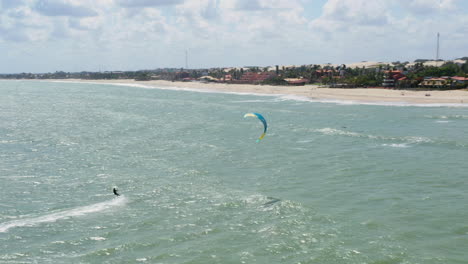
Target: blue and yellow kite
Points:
(261, 118)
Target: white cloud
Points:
(6, 4)
(377, 30)
(429, 7)
(22, 24)
(86, 24)
(200, 18)
(147, 3)
(249, 5)
(63, 8)
(149, 34)
(343, 15)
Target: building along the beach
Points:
(392, 78)
(460, 80)
(434, 83)
(253, 77)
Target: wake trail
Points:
(78, 211)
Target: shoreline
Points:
(312, 92)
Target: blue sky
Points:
(92, 35)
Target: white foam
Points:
(97, 238)
(418, 139)
(376, 103)
(403, 145)
(333, 131)
(17, 176)
(448, 117)
(280, 96)
(408, 139)
(256, 101)
(79, 211)
(174, 88)
(8, 141)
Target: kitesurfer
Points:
(115, 192)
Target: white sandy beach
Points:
(368, 95)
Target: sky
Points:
(112, 35)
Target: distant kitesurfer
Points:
(115, 192)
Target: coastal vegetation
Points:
(450, 75)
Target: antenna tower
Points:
(438, 39)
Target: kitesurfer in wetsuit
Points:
(115, 192)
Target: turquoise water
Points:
(330, 183)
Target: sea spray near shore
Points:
(375, 97)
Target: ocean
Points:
(331, 182)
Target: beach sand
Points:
(361, 95)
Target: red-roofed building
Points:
(391, 77)
(324, 72)
(253, 77)
(395, 74)
(227, 78)
(459, 79)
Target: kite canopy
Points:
(262, 119)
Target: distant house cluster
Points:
(254, 77)
(443, 82)
(419, 74)
(400, 79)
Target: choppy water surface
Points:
(330, 183)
